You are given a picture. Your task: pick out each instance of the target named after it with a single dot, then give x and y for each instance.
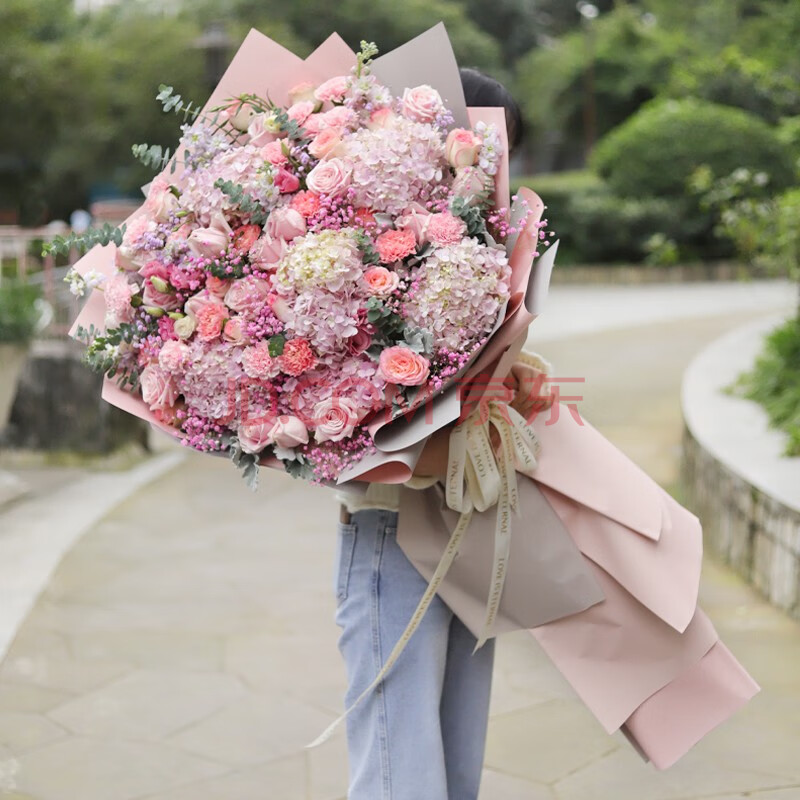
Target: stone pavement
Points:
(185, 647)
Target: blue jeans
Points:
(421, 733)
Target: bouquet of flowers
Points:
(301, 271)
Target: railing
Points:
(21, 259)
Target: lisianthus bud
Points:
(154, 311)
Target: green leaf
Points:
(61, 245)
(276, 345)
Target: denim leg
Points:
(394, 735)
(465, 710)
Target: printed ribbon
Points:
(474, 466)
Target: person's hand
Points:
(526, 382)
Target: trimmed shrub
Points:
(654, 152)
(596, 226)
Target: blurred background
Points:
(147, 656)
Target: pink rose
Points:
(233, 330)
(297, 357)
(326, 143)
(422, 103)
(161, 203)
(288, 431)
(280, 308)
(301, 91)
(415, 219)
(212, 241)
(334, 418)
(301, 111)
(462, 147)
(263, 129)
(403, 366)
(285, 223)
(473, 184)
(247, 294)
(332, 90)
(380, 281)
(357, 344)
(445, 229)
(157, 289)
(286, 182)
(395, 245)
(256, 435)
(273, 152)
(210, 320)
(173, 356)
(307, 203)
(380, 118)
(200, 300)
(330, 177)
(238, 114)
(257, 363)
(158, 388)
(267, 251)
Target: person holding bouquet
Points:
(422, 732)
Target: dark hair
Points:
(481, 89)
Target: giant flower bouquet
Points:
(303, 269)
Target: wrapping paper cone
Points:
(641, 654)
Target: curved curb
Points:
(746, 493)
(733, 430)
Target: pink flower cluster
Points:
(302, 268)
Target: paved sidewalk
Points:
(185, 647)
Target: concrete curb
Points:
(733, 430)
(37, 533)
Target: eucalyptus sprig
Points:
(243, 201)
(103, 351)
(152, 155)
(61, 245)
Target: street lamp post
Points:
(589, 13)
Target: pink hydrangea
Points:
(457, 293)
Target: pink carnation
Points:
(257, 362)
(210, 319)
(117, 292)
(297, 357)
(395, 245)
(300, 111)
(306, 202)
(334, 89)
(173, 356)
(445, 228)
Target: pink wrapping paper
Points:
(645, 658)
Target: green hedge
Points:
(653, 153)
(596, 226)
